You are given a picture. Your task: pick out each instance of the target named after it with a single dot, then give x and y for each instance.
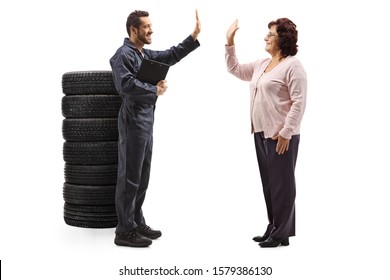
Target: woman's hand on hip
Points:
(282, 144)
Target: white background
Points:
(205, 191)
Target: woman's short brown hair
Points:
(287, 36)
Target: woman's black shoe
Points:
(260, 238)
(274, 242)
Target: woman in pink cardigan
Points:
(278, 89)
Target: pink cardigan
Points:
(278, 99)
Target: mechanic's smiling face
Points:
(144, 31)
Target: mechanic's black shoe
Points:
(132, 239)
(148, 232)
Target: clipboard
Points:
(152, 71)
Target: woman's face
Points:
(271, 41)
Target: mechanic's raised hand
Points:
(196, 31)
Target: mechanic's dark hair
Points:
(287, 36)
(133, 19)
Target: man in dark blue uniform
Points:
(135, 124)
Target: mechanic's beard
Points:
(142, 39)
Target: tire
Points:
(88, 194)
(90, 153)
(89, 130)
(95, 175)
(88, 82)
(91, 106)
(104, 210)
(90, 216)
(78, 221)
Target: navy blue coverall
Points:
(135, 126)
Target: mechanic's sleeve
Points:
(176, 53)
(124, 74)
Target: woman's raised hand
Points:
(231, 33)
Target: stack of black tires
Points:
(90, 108)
